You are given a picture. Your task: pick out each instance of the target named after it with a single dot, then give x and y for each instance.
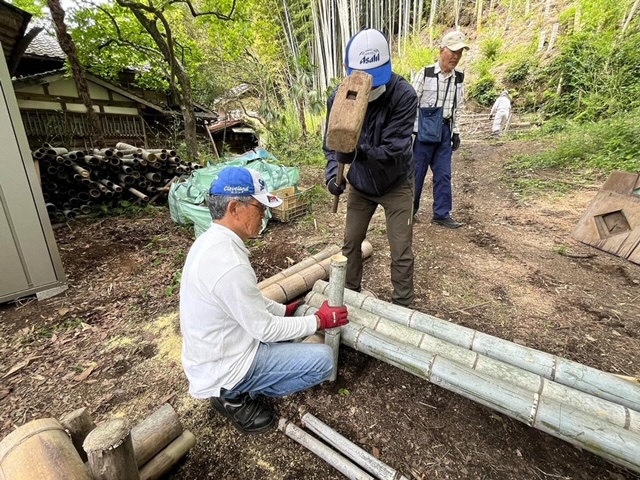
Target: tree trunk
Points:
(69, 49)
(479, 15)
(164, 43)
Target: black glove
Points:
(334, 188)
(348, 157)
(455, 141)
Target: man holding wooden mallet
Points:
(381, 170)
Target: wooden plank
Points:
(621, 182)
(612, 221)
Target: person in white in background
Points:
(501, 110)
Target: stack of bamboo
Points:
(594, 410)
(75, 181)
(48, 448)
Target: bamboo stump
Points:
(110, 451)
(336, 299)
(79, 424)
(40, 449)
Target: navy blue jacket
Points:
(384, 157)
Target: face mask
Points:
(376, 92)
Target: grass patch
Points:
(578, 154)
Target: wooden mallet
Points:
(346, 118)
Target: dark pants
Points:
(438, 157)
(398, 212)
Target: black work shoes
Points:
(246, 414)
(446, 222)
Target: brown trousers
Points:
(398, 211)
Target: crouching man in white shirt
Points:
(230, 331)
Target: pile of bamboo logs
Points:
(589, 408)
(112, 450)
(75, 181)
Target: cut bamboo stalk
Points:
(371, 464)
(561, 370)
(293, 286)
(40, 449)
(336, 299)
(155, 432)
(307, 262)
(79, 424)
(572, 425)
(333, 458)
(605, 410)
(110, 451)
(138, 194)
(168, 457)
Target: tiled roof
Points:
(45, 46)
(36, 76)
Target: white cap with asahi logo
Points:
(369, 52)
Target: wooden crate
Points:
(295, 203)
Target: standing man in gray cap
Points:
(440, 92)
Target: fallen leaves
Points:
(85, 374)
(4, 392)
(19, 366)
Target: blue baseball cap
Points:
(368, 51)
(240, 182)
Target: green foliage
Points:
(490, 48)
(131, 209)
(415, 56)
(48, 331)
(483, 91)
(587, 149)
(174, 287)
(598, 75)
(34, 7)
(520, 71)
(291, 148)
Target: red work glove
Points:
(292, 307)
(331, 317)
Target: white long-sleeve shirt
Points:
(223, 315)
(502, 104)
(431, 93)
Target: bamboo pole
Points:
(371, 464)
(110, 451)
(159, 465)
(333, 458)
(79, 424)
(154, 433)
(561, 370)
(597, 407)
(335, 299)
(301, 282)
(307, 262)
(571, 425)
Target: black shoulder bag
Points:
(430, 119)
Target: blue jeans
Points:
(438, 157)
(280, 369)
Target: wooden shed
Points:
(30, 260)
(52, 110)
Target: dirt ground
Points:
(111, 342)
